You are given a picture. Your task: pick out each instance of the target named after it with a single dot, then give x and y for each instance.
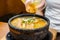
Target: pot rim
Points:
(28, 30)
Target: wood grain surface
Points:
(4, 29)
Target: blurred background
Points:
(9, 8)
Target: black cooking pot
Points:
(33, 34)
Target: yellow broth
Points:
(28, 23)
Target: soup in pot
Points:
(28, 22)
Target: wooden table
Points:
(4, 29)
